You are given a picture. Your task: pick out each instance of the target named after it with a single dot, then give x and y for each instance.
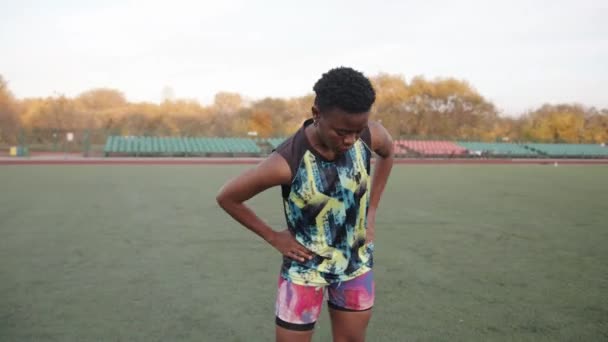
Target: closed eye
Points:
(345, 133)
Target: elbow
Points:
(222, 199)
(226, 201)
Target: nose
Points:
(350, 139)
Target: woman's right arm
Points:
(271, 172)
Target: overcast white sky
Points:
(516, 53)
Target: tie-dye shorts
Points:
(298, 306)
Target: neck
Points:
(314, 137)
(319, 140)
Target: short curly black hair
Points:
(346, 89)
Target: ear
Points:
(315, 113)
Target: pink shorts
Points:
(298, 306)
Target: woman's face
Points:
(338, 129)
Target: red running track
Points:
(237, 161)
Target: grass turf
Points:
(142, 253)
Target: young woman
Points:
(330, 202)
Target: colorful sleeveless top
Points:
(326, 210)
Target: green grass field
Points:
(142, 253)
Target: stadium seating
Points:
(179, 145)
(570, 150)
(432, 147)
(497, 149)
(209, 146)
(398, 149)
(275, 142)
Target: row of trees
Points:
(421, 108)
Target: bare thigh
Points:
(349, 326)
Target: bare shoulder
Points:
(276, 168)
(272, 171)
(382, 142)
